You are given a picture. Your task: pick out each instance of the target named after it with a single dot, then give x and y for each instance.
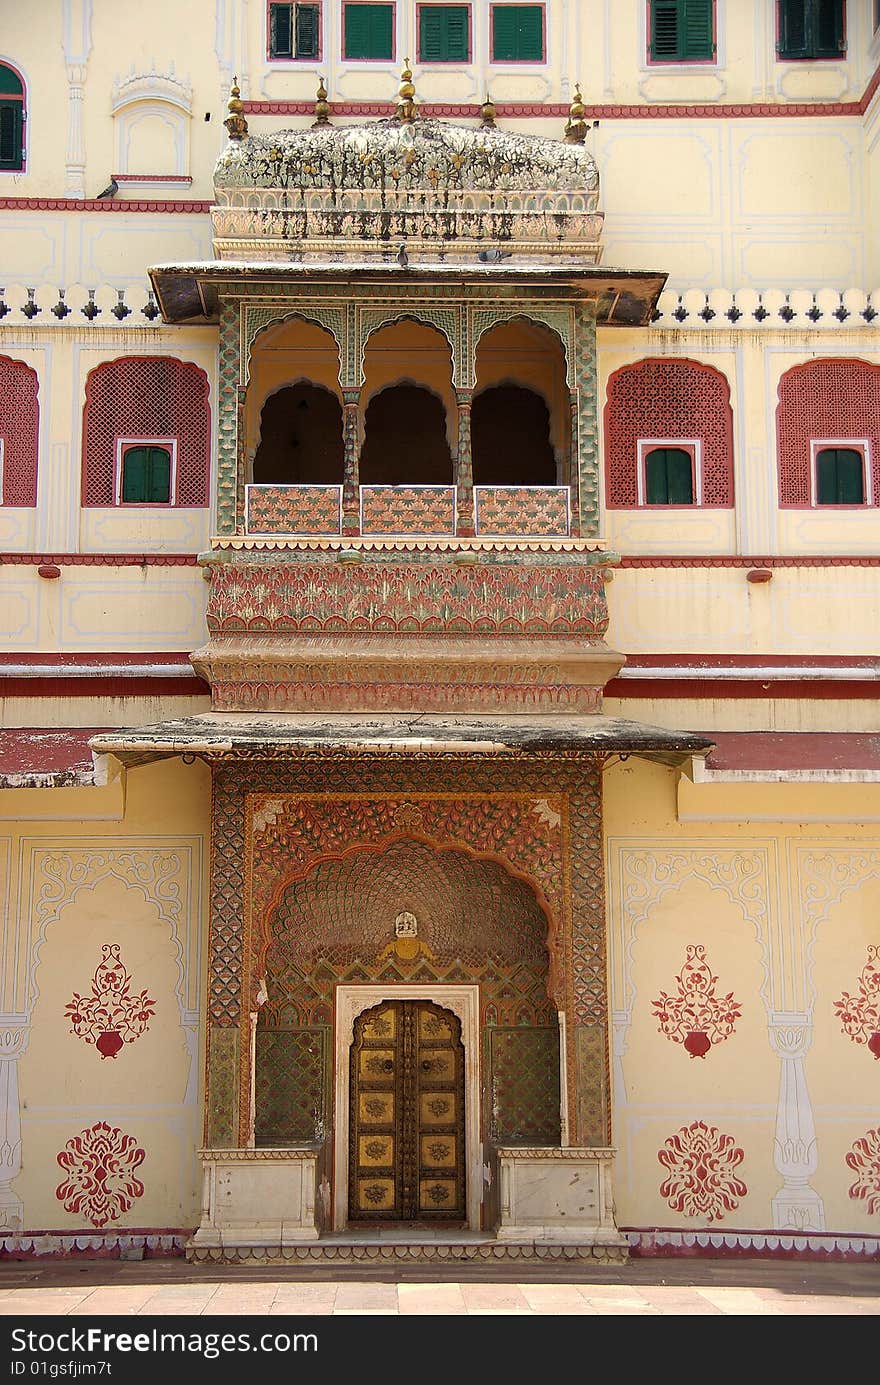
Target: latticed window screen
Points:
(443, 33)
(368, 31)
(682, 30)
(840, 476)
(517, 33)
(669, 476)
(824, 399)
(811, 29)
(668, 399)
(294, 31)
(11, 119)
(146, 397)
(19, 429)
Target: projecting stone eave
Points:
(189, 294)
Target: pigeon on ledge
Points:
(109, 191)
(493, 256)
(402, 257)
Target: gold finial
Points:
(576, 126)
(235, 121)
(406, 104)
(487, 113)
(322, 108)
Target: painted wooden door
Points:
(406, 1131)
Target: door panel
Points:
(406, 1137)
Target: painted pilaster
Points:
(796, 1206)
(227, 421)
(464, 465)
(77, 44)
(584, 374)
(585, 989)
(13, 1041)
(573, 473)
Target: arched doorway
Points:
(405, 439)
(510, 431)
(300, 437)
(407, 1159)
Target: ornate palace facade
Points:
(440, 473)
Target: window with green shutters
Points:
(682, 30)
(444, 33)
(811, 29)
(146, 476)
(517, 33)
(294, 31)
(669, 476)
(368, 31)
(11, 119)
(840, 476)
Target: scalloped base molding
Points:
(761, 1245)
(115, 1245)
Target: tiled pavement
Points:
(642, 1287)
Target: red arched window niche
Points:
(668, 436)
(828, 434)
(19, 432)
(146, 433)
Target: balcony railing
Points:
(402, 511)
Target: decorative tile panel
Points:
(293, 510)
(521, 511)
(407, 509)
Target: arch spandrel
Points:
(260, 320)
(556, 320)
(447, 321)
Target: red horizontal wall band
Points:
(735, 560)
(95, 204)
(105, 687)
(102, 559)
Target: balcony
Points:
(310, 511)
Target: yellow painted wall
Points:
(74, 884)
(785, 911)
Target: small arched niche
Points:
(521, 415)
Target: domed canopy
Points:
(354, 193)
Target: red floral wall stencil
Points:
(697, 1017)
(860, 1014)
(100, 1164)
(110, 1017)
(864, 1160)
(701, 1163)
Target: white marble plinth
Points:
(555, 1195)
(258, 1197)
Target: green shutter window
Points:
(682, 30)
(368, 31)
(146, 476)
(811, 29)
(840, 476)
(517, 33)
(443, 34)
(307, 35)
(11, 119)
(280, 31)
(669, 476)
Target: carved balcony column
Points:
(796, 1206)
(574, 492)
(241, 468)
(351, 436)
(464, 465)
